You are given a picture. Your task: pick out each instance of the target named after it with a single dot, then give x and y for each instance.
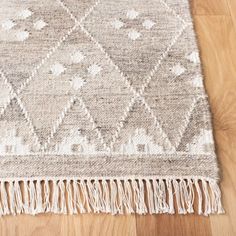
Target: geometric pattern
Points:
(113, 77)
(140, 38)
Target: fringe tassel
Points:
(47, 205)
(4, 200)
(115, 196)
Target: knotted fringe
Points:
(115, 196)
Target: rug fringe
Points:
(115, 196)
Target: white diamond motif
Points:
(117, 24)
(134, 34)
(197, 81)
(57, 69)
(25, 14)
(194, 57)
(77, 57)
(22, 35)
(178, 70)
(40, 24)
(132, 14)
(77, 82)
(94, 69)
(8, 24)
(148, 24)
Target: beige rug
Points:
(103, 109)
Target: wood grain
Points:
(215, 22)
(217, 38)
(210, 7)
(63, 225)
(178, 225)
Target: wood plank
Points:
(210, 7)
(232, 9)
(66, 225)
(217, 38)
(29, 225)
(169, 225)
(100, 224)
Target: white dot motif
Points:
(8, 24)
(25, 14)
(77, 82)
(134, 34)
(94, 69)
(57, 69)
(193, 57)
(117, 24)
(132, 14)
(22, 35)
(19, 34)
(77, 57)
(148, 24)
(178, 70)
(197, 81)
(40, 24)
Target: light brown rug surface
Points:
(103, 109)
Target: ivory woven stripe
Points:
(103, 109)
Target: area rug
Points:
(103, 109)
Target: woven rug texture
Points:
(103, 109)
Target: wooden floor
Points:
(215, 22)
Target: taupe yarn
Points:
(103, 109)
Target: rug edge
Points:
(121, 195)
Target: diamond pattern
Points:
(147, 44)
(16, 136)
(174, 77)
(144, 131)
(24, 36)
(91, 74)
(197, 124)
(55, 83)
(76, 129)
(44, 119)
(169, 111)
(181, 8)
(93, 92)
(81, 7)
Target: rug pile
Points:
(103, 109)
